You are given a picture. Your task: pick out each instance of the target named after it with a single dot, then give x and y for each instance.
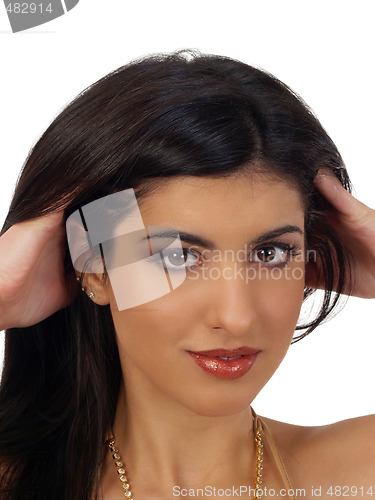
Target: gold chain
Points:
(120, 467)
(259, 465)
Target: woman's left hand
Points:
(355, 224)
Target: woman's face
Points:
(244, 290)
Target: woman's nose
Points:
(231, 303)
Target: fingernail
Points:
(323, 171)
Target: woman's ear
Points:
(97, 287)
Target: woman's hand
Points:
(32, 281)
(355, 224)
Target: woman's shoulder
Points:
(334, 455)
(358, 428)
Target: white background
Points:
(323, 50)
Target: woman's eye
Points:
(272, 254)
(180, 258)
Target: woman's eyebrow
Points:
(193, 239)
(275, 233)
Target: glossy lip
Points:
(242, 359)
(228, 353)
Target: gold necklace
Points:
(126, 486)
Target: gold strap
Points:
(259, 424)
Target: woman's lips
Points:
(236, 363)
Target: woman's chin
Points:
(216, 406)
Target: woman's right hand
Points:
(33, 284)
(354, 222)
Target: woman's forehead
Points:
(222, 200)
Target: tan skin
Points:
(192, 439)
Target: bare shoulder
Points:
(339, 454)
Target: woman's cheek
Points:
(279, 304)
(151, 328)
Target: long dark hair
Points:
(160, 116)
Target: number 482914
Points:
(28, 8)
(350, 491)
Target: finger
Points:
(26, 239)
(332, 189)
(46, 222)
(44, 225)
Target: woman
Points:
(203, 202)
